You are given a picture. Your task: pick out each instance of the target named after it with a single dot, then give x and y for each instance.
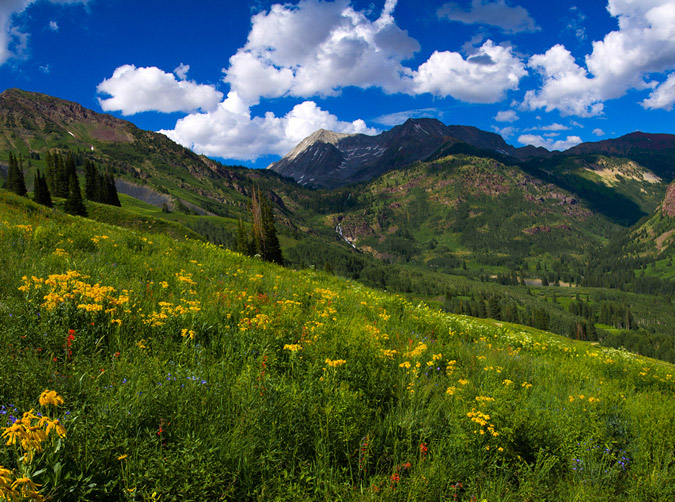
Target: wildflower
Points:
(122, 457)
(50, 397)
(463, 381)
(335, 363)
(293, 347)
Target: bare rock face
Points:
(668, 205)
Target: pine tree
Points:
(243, 243)
(74, 203)
(61, 177)
(264, 234)
(90, 180)
(49, 171)
(45, 196)
(15, 180)
(272, 246)
(41, 193)
(112, 198)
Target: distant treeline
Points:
(60, 180)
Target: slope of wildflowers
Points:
(169, 370)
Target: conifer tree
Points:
(243, 242)
(90, 180)
(264, 234)
(74, 204)
(15, 180)
(112, 198)
(42, 195)
(49, 171)
(61, 177)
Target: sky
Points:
(244, 82)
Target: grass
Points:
(194, 373)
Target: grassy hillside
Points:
(198, 374)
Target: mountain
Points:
(148, 165)
(654, 151)
(327, 159)
(447, 214)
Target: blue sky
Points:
(246, 81)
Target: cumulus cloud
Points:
(506, 116)
(549, 143)
(598, 132)
(644, 44)
(10, 34)
(663, 96)
(317, 48)
(53, 25)
(505, 132)
(484, 77)
(135, 90)
(231, 132)
(493, 13)
(393, 119)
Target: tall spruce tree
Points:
(74, 204)
(90, 174)
(15, 180)
(61, 177)
(41, 193)
(264, 234)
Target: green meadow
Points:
(184, 371)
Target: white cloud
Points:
(181, 71)
(10, 34)
(135, 90)
(483, 77)
(550, 127)
(53, 25)
(231, 132)
(397, 118)
(549, 144)
(494, 13)
(566, 87)
(663, 96)
(317, 48)
(644, 44)
(505, 132)
(506, 116)
(598, 132)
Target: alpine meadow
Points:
(343, 251)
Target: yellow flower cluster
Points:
(61, 288)
(168, 309)
(50, 397)
(183, 276)
(186, 332)
(22, 488)
(335, 363)
(30, 431)
(417, 351)
(482, 419)
(293, 347)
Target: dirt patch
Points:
(661, 239)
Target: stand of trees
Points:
(99, 186)
(15, 180)
(263, 239)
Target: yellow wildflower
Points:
(50, 397)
